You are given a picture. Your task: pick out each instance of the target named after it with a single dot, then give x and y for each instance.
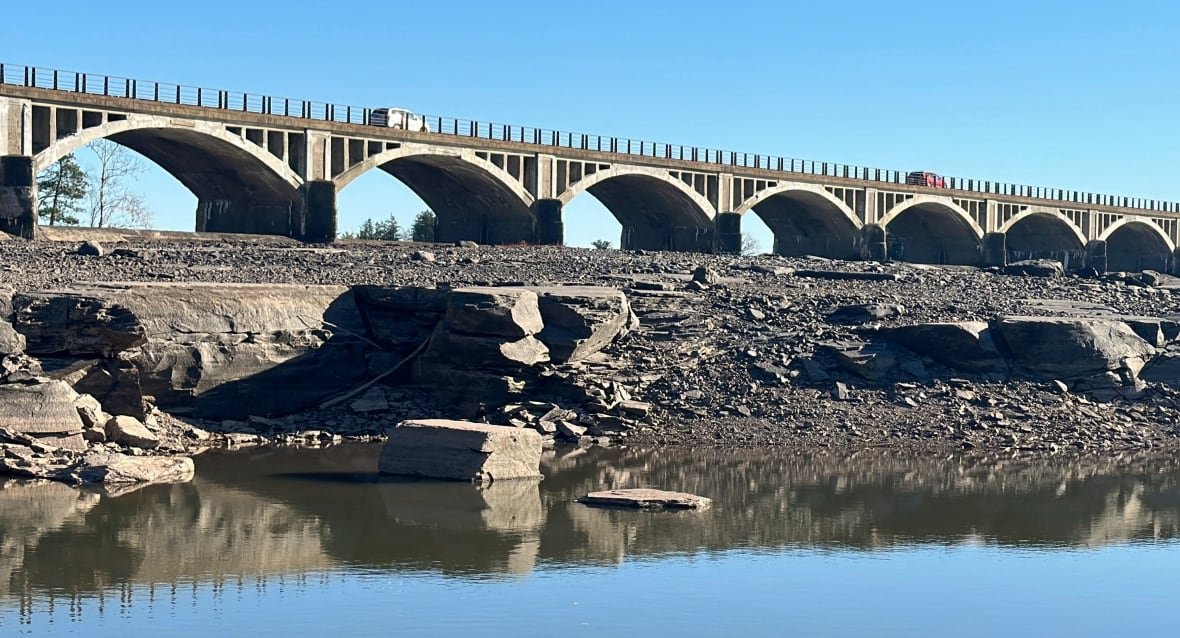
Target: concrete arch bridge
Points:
(260, 164)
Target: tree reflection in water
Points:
(257, 516)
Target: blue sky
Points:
(1077, 95)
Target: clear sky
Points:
(1078, 95)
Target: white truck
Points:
(398, 118)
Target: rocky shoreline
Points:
(245, 341)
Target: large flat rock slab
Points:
(461, 451)
(644, 498)
(104, 319)
(1067, 347)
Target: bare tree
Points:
(750, 245)
(111, 201)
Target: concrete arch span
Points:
(806, 220)
(1043, 233)
(1137, 244)
(239, 186)
(656, 210)
(928, 229)
(472, 198)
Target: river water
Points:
(280, 542)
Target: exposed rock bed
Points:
(698, 349)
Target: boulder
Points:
(493, 312)
(644, 498)
(115, 468)
(1035, 268)
(705, 275)
(43, 410)
(1067, 347)
(458, 450)
(864, 313)
(965, 345)
(422, 255)
(131, 432)
(581, 320)
(92, 249)
(6, 294)
(11, 341)
(1164, 368)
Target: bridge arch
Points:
(657, 211)
(930, 229)
(1134, 244)
(472, 198)
(1040, 232)
(806, 219)
(240, 187)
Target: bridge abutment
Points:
(995, 249)
(18, 196)
(550, 227)
(1096, 255)
(729, 233)
(873, 245)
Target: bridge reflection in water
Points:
(284, 516)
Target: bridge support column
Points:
(320, 215)
(18, 196)
(995, 250)
(873, 243)
(729, 233)
(550, 228)
(257, 218)
(1096, 255)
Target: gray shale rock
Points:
(644, 498)
(130, 432)
(462, 451)
(44, 411)
(113, 468)
(1065, 347)
(965, 345)
(209, 350)
(1035, 268)
(581, 320)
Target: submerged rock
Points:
(461, 451)
(646, 499)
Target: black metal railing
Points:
(109, 86)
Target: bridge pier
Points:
(18, 196)
(550, 227)
(729, 233)
(320, 215)
(1096, 256)
(873, 245)
(255, 218)
(995, 250)
(678, 239)
(484, 229)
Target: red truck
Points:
(925, 178)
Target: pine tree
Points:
(423, 228)
(61, 189)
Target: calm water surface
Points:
(281, 542)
